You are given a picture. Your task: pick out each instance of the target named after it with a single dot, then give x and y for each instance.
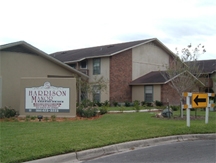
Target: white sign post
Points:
(206, 115)
(198, 100)
(187, 106)
(209, 106)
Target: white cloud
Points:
(55, 25)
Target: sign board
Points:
(47, 98)
(199, 100)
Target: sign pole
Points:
(188, 109)
(206, 115)
(188, 117)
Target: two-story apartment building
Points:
(121, 65)
(132, 70)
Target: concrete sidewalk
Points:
(131, 111)
(116, 148)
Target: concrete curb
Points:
(102, 151)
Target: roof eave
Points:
(74, 61)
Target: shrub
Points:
(7, 112)
(53, 117)
(127, 104)
(115, 103)
(137, 105)
(149, 104)
(89, 112)
(86, 103)
(121, 109)
(136, 102)
(46, 119)
(99, 104)
(143, 103)
(158, 103)
(28, 116)
(103, 110)
(106, 103)
(175, 108)
(86, 111)
(33, 117)
(79, 110)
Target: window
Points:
(96, 66)
(73, 65)
(96, 93)
(83, 64)
(148, 93)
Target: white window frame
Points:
(149, 92)
(96, 70)
(81, 64)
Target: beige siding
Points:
(157, 93)
(16, 65)
(147, 58)
(105, 73)
(138, 93)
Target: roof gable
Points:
(24, 47)
(102, 51)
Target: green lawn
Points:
(22, 141)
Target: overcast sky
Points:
(58, 25)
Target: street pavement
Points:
(77, 157)
(195, 151)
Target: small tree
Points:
(86, 89)
(183, 71)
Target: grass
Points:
(23, 141)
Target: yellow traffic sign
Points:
(199, 100)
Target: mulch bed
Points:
(48, 119)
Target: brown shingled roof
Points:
(103, 51)
(206, 66)
(98, 51)
(154, 77)
(157, 77)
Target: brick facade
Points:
(121, 76)
(170, 94)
